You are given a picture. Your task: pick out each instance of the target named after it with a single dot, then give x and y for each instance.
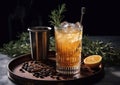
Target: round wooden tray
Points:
(86, 76)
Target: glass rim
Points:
(60, 28)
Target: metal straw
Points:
(82, 13)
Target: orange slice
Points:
(93, 61)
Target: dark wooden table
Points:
(112, 74)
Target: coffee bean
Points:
(36, 75)
(41, 76)
(53, 76)
(22, 70)
(58, 78)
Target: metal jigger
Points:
(39, 42)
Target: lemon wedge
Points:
(93, 61)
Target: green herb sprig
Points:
(17, 47)
(56, 16)
(111, 56)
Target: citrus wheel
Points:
(93, 61)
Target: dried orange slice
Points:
(93, 61)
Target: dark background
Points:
(102, 16)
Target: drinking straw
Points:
(82, 13)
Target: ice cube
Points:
(70, 27)
(77, 24)
(64, 24)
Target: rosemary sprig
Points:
(17, 47)
(56, 15)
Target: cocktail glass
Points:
(68, 39)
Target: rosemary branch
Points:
(56, 15)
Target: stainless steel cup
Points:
(39, 41)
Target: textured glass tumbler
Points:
(39, 42)
(68, 50)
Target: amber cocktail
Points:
(68, 38)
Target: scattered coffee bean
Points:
(53, 76)
(58, 78)
(22, 70)
(41, 76)
(36, 75)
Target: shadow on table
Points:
(112, 76)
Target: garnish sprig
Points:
(56, 15)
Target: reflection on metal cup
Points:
(39, 41)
